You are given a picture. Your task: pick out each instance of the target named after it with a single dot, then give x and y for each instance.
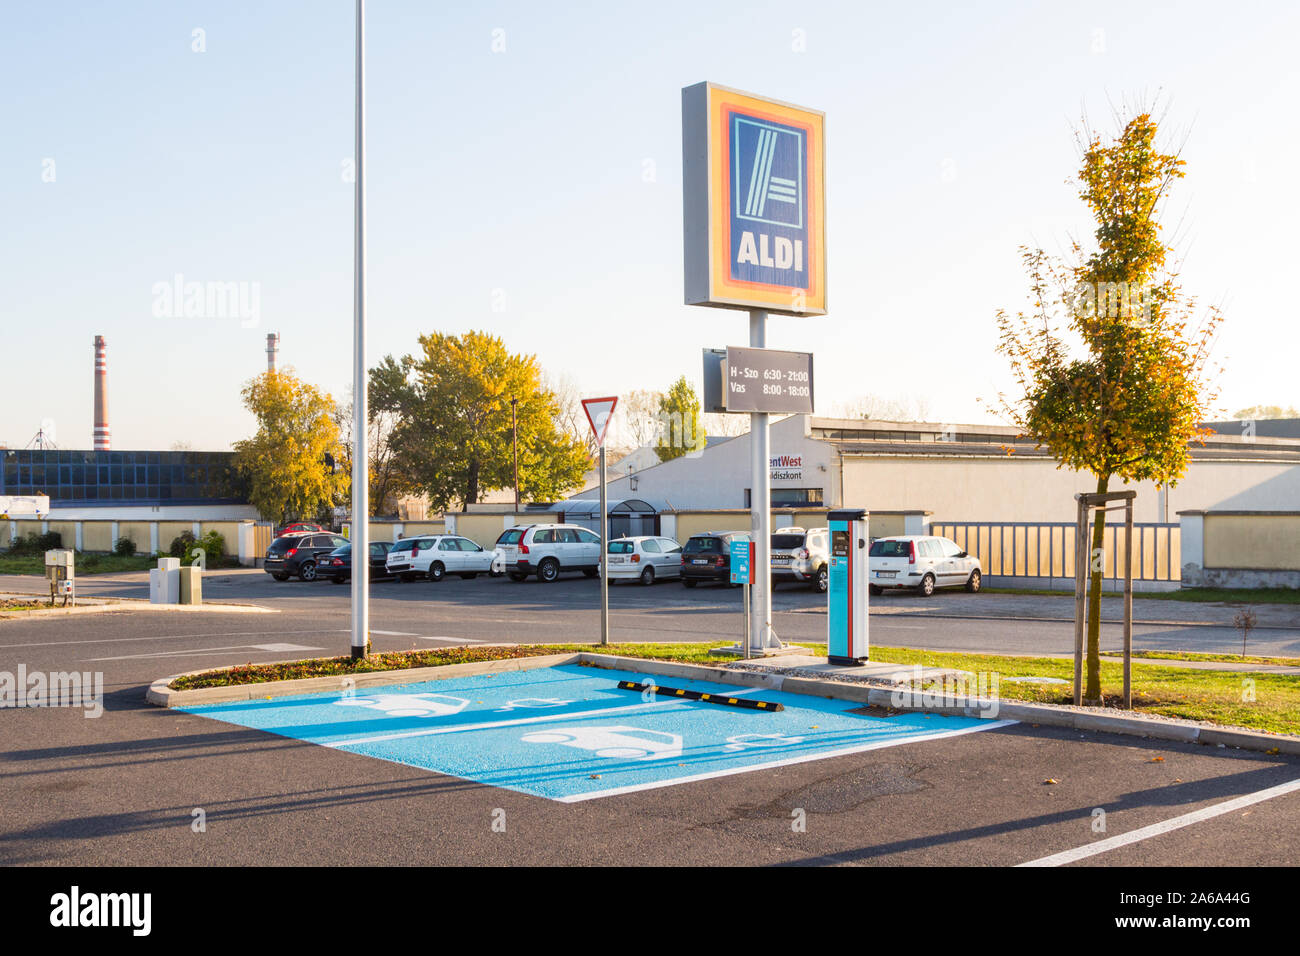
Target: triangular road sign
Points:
(599, 412)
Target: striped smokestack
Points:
(272, 349)
(102, 438)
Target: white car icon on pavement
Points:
(408, 705)
(618, 741)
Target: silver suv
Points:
(801, 554)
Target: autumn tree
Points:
(388, 483)
(286, 464)
(1111, 366)
(680, 430)
(453, 440)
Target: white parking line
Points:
(1155, 829)
(205, 651)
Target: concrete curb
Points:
(1157, 728)
(1183, 731)
(161, 695)
(130, 604)
(953, 616)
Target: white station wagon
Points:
(436, 556)
(921, 562)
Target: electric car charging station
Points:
(847, 638)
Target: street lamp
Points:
(514, 427)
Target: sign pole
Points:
(760, 507)
(360, 464)
(604, 553)
(599, 413)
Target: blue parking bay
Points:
(568, 733)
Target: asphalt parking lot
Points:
(127, 787)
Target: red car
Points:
(300, 527)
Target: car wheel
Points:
(517, 576)
(823, 579)
(973, 582)
(548, 570)
(688, 582)
(436, 572)
(648, 576)
(875, 589)
(280, 576)
(307, 572)
(926, 587)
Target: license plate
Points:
(701, 561)
(781, 559)
(617, 560)
(886, 574)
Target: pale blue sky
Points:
(949, 144)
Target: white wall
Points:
(719, 476)
(162, 513)
(1034, 489)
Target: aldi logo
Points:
(754, 212)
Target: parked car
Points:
(645, 558)
(337, 565)
(801, 555)
(707, 557)
(435, 556)
(299, 554)
(300, 527)
(401, 556)
(547, 550)
(923, 562)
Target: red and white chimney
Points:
(272, 350)
(102, 438)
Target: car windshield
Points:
(280, 545)
(621, 547)
(511, 537)
(703, 544)
(342, 552)
(406, 545)
(787, 541)
(890, 549)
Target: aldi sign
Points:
(754, 207)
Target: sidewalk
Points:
(1039, 607)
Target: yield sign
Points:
(599, 412)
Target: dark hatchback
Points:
(299, 555)
(707, 557)
(337, 565)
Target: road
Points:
(492, 610)
(124, 788)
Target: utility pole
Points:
(514, 427)
(360, 534)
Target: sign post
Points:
(754, 231)
(360, 421)
(599, 412)
(742, 572)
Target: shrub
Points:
(215, 546)
(37, 543)
(182, 545)
(124, 548)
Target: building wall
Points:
(1027, 489)
(718, 478)
(138, 532)
(482, 529)
(97, 536)
(1265, 542)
